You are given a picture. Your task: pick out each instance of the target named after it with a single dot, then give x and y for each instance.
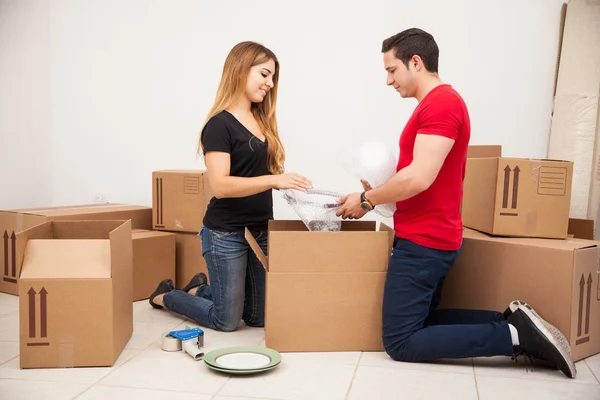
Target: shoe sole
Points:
(550, 332)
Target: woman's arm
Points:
(223, 185)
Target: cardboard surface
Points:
(153, 261)
(179, 200)
(311, 300)
(72, 313)
(517, 197)
(559, 278)
(189, 260)
(15, 221)
(483, 151)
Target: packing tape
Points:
(169, 343)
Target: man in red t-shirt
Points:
(427, 189)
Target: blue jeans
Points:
(415, 330)
(237, 283)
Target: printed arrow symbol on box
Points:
(31, 294)
(515, 187)
(587, 307)
(5, 253)
(506, 184)
(579, 318)
(13, 239)
(43, 313)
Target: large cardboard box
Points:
(559, 278)
(324, 289)
(75, 293)
(14, 221)
(153, 260)
(517, 197)
(189, 258)
(179, 200)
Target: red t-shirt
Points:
(432, 218)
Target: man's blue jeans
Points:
(415, 330)
(237, 283)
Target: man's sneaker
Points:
(562, 340)
(541, 340)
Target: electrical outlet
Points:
(100, 198)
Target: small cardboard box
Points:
(518, 197)
(558, 278)
(324, 289)
(153, 260)
(189, 258)
(14, 221)
(179, 200)
(75, 293)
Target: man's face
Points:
(398, 76)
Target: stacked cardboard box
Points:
(517, 245)
(179, 202)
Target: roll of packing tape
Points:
(169, 343)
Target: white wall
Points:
(126, 84)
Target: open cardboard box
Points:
(75, 293)
(14, 221)
(324, 289)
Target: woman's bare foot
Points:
(193, 290)
(158, 300)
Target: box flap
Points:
(581, 228)
(256, 249)
(143, 234)
(66, 259)
(562, 244)
(104, 208)
(180, 171)
(84, 229)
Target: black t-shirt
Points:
(248, 154)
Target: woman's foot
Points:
(165, 286)
(196, 282)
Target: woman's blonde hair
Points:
(237, 66)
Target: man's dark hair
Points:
(414, 42)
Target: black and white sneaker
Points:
(539, 339)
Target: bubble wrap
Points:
(316, 208)
(376, 164)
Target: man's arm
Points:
(429, 154)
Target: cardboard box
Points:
(483, 151)
(559, 278)
(325, 289)
(517, 197)
(581, 228)
(14, 221)
(153, 260)
(75, 293)
(189, 260)
(179, 200)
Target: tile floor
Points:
(145, 372)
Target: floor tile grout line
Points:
(592, 371)
(475, 377)
(354, 376)
(7, 361)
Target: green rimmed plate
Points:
(250, 359)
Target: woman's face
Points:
(260, 81)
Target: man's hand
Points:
(351, 208)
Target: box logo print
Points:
(43, 294)
(553, 181)
(585, 298)
(10, 263)
(510, 203)
(159, 203)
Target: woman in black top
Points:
(244, 161)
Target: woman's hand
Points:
(291, 181)
(365, 185)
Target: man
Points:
(427, 189)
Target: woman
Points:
(244, 160)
